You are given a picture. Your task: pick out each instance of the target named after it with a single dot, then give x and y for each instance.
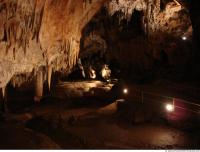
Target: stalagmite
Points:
(49, 72)
(38, 86)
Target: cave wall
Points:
(36, 33)
(166, 32)
(138, 32)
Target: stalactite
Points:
(22, 20)
(34, 72)
(37, 23)
(20, 79)
(49, 73)
(3, 91)
(125, 8)
(83, 5)
(13, 84)
(14, 53)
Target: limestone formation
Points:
(35, 33)
(3, 92)
(49, 73)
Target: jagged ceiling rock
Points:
(36, 33)
(166, 30)
(162, 29)
(126, 7)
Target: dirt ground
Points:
(88, 124)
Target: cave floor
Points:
(59, 124)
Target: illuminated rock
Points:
(49, 73)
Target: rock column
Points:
(38, 86)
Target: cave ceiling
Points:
(130, 29)
(35, 33)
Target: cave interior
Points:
(123, 67)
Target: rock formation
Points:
(138, 33)
(47, 33)
(35, 33)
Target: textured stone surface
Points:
(36, 33)
(138, 33)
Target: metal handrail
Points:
(184, 101)
(171, 98)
